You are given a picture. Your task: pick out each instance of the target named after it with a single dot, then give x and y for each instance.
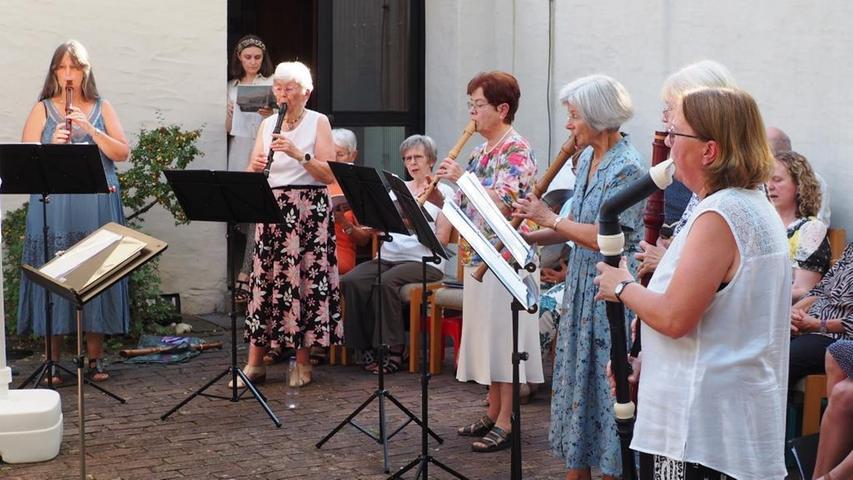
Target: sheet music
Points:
(62, 265)
(483, 203)
(505, 273)
(127, 248)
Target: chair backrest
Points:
(837, 242)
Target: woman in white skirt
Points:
(506, 167)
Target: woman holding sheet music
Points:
(72, 217)
(505, 166)
(295, 301)
(250, 65)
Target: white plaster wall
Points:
(148, 56)
(793, 56)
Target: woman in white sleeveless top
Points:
(295, 300)
(711, 400)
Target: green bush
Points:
(143, 186)
(14, 226)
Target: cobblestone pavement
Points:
(211, 438)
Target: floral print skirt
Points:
(294, 281)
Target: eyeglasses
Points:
(413, 158)
(477, 106)
(671, 134)
(288, 89)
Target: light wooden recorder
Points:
(469, 130)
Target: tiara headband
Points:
(251, 42)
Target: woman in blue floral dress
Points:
(583, 429)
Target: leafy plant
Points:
(163, 148)
(142, 187)
(14, 226)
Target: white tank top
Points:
(716, 396)
(286, 170)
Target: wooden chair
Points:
(414, 293)
(814, 386)
(444, 298)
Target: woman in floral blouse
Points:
(795, 192)
(506, 167)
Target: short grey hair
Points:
(779, 141)
(706, 73)
(294, 72)
(345, 139)
(601, 100)
(424, 141)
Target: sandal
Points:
(496, 439)
(257, 375)
(478, 428)
(393, 363)
(96, 371)
(242, 291)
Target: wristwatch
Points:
(621, 287)
(307, 158)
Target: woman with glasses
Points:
(505, 166)
(715, 334)
(583, 429)
(401, 265)
(295, 300)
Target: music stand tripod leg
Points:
(381, 393)
(233, 370)
(424, 458)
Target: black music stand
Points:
(230, 197)
(87, 278)
(44, 170)
(525, 295)
(366, 190)
(419, 220)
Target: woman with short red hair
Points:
(505, 166)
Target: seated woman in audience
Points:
(835, 450)
(795, 192)
(401, 264)
(822, 316)
(347, 234)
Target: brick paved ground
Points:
(219, 439)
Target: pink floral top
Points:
(509, 169)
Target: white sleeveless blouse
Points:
(717, 395)
(286, 170)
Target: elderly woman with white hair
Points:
(679, 202)
(583, 429)
(294, 283)
(347, 231)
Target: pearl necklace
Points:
(500, 141)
